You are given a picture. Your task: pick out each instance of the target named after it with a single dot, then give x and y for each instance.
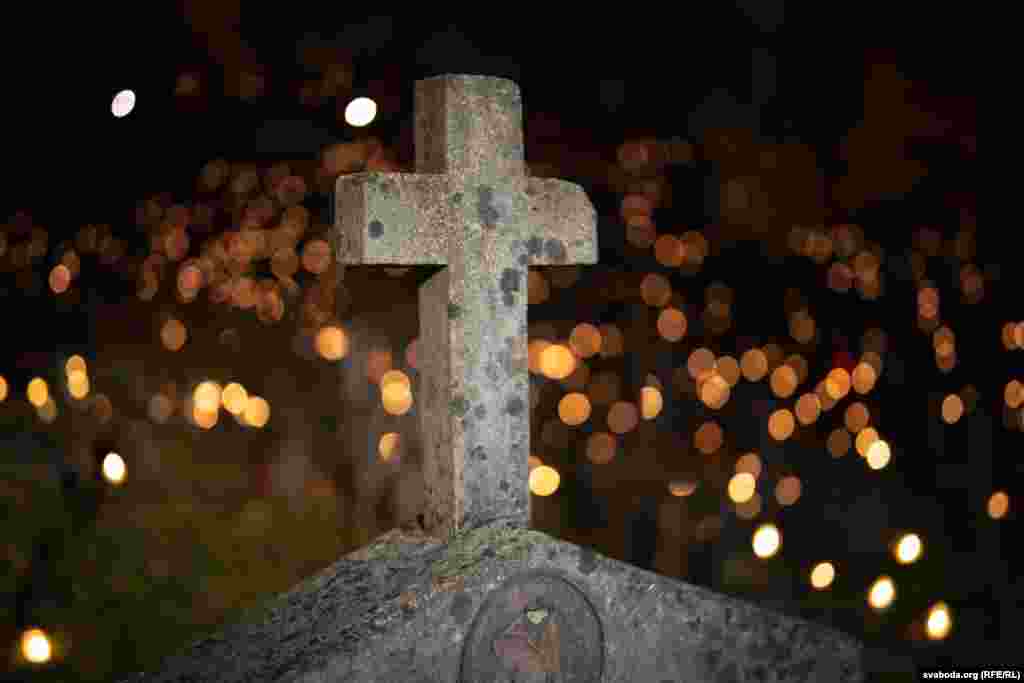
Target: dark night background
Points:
(785, 76)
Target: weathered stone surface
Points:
(471, 208)
(480, 608)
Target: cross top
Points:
(469, 207)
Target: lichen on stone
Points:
(466, 548)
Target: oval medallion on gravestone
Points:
(535, 627)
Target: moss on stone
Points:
(383, 551)
(466, 549)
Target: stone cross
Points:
(470, 207)
(483, 597)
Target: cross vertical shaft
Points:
(470, 207)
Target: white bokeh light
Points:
(113, 468)
(123, 104)
(360, 111)
(35, 646)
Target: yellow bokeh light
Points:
(38, 392)
(360, 112)
(331, 342)
(808, 408)
(908, 549)
(701, 364)
(864, 378)
(574, 409)
(754, 365)
(76, 362)
(585, 340)
(3, 388)
(388, 446)
(878, 455)
(396, 398)
(533, 352)
(206, 397)
(781, 424)
(544, 480)
(204, 419)
(952, 409)
(651, 402)
(998, 505)
(882, 593)
(173, 334)
(856, 417)
(78, 384)
(35, 646)
(822, 575)
(708, 438)
(767, 541)
(257, 412)
(234, 398)
(714, 391)
(865, 438)
(395, 376)
(940, 622)
(672, 324)
(837, 383)
(741, 487)
(729, 370)
(1013, 394)
(787, 491)
(783, 381)
(749, 462)
(557, 362)
(114, 469)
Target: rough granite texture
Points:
(401, 608)
(469, 207)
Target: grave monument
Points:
(472, 594)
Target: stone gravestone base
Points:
(503, 603)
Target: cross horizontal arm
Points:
(384, 218)
(562, 212)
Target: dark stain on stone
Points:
(480, 412)
(508, 300)
(478, 453)
(515, 406)
(459, 405)
(555, 250)
(485, 206)
(462, 605)
(552, 554)
(457, 198)
(534, 245)
(523, 258)
(454, 311)
(588, 560)
(491, 369)
(505, 358)
(376, 229)
(509, 283)
(504, 486)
